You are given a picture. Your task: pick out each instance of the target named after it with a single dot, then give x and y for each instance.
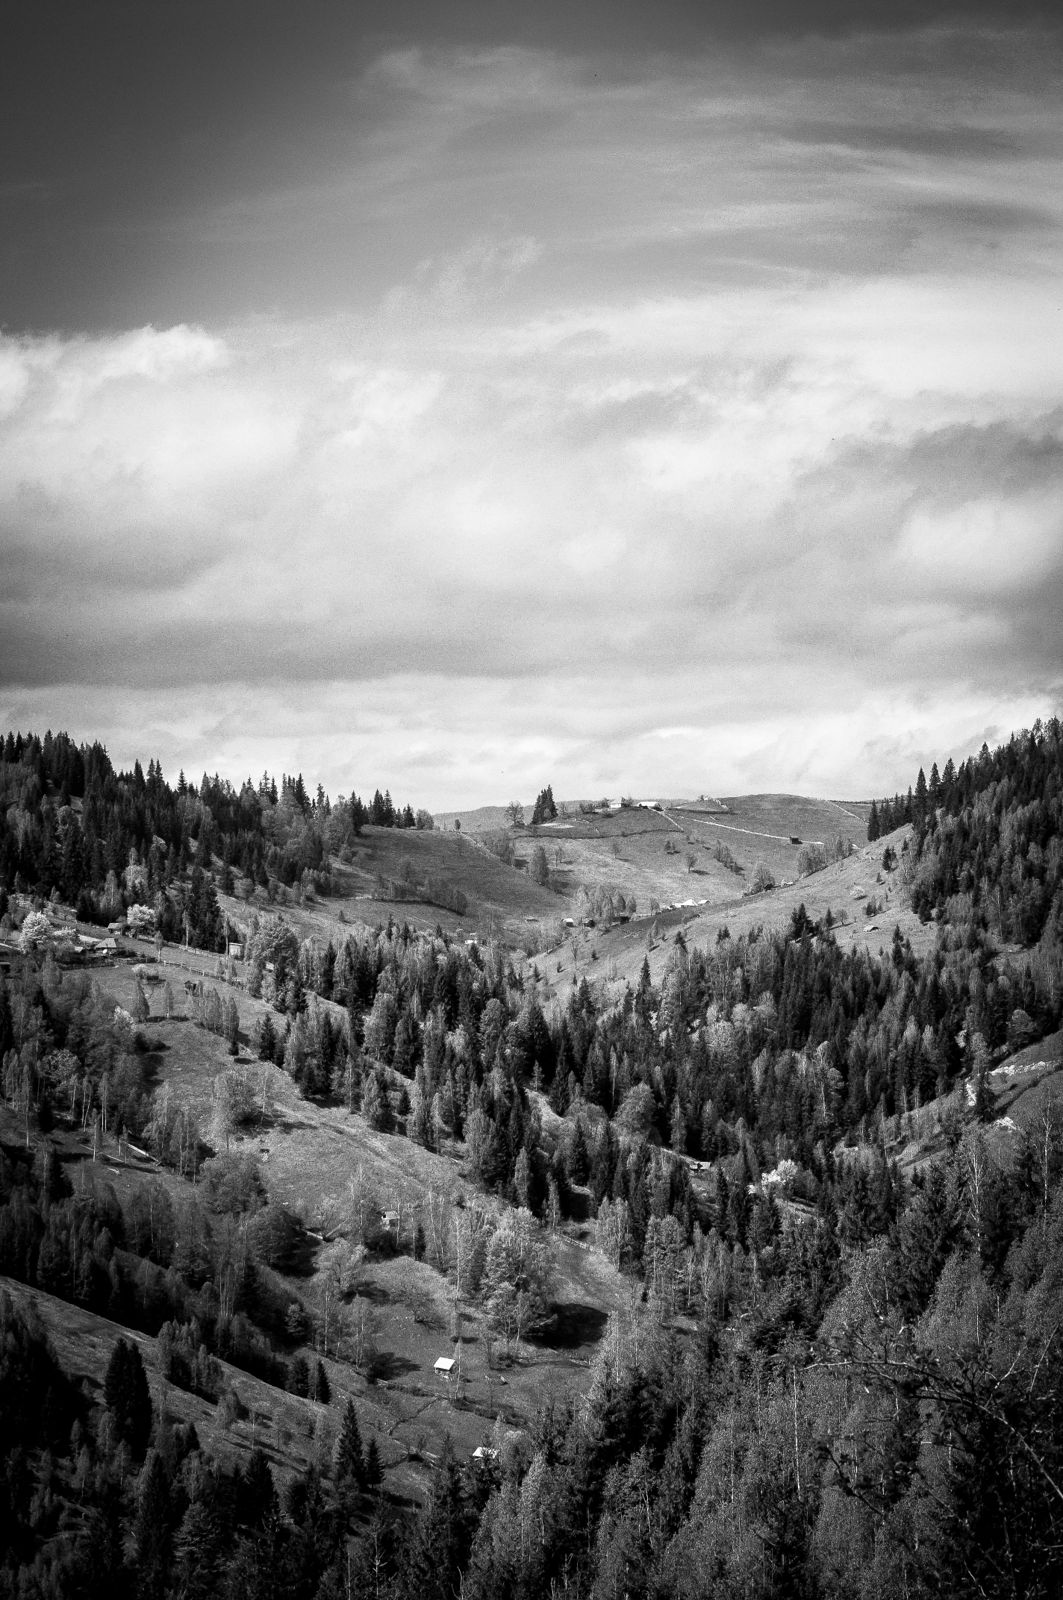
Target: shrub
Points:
(232, 1183)
(763, 878)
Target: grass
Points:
(618, 952)
(310, 1154)
(291, 1431)
(497, 895)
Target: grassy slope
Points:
(620, 951)
(291, 1431)
(621, 850)
(494, 891)
(309, 1153)
(1024, 1088)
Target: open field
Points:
(639, 853)
(763, 827)
(843, 887)
(497, 895)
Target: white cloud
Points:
(986, 544)
(670, 412)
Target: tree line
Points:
(102, 840)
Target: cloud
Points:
(716, 396)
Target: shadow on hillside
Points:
(388, 1365)
(284, 1122)
(301, 1256)
(151, 1063)
(375, 1293)
(575, 1325)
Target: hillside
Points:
(639, 1187)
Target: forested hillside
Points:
(838, 1372)
(103, 840)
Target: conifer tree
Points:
(152, 1532)
(349, 1464)
(443, 1539)
(267, 1038)
(127, 1397)
(373, 1470)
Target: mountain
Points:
(697, 1221)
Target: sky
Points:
(658, 398)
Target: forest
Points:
(834, 1377)
(104, 840)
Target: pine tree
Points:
(376, 1107)
(267, 1038)
(198, 1551)
(127, 1397)
(257, 1497)
(373, 1471)
(443, 1540)
(349, 1467)
(152, 1532)
(579, 1160)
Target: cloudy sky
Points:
(663, 397)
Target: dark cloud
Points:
(604, 384)
(954, 140)
(985, 219)
(964, 459)
(75, 571)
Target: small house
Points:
(389, 1219)
(484, 1455)
(235, 950)
(445, 1366)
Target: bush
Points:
(233, 1183)
(810, 858)
(763, 878)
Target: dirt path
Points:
(729, 827)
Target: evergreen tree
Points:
(376, 1106)
(441, 1544)
(373, 1471)
(127, 1397)
(349, 1466)
(152, 1532)
(267, 1038)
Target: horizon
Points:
(446, 398)
(672, 797)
